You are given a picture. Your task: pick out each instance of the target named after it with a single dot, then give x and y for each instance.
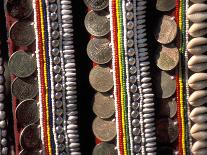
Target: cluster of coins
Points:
(197, 81)
(166, 59)
(99, 51)
(22, 66)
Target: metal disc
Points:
(101, 79)
(104, 149)
(22, 64)
(97, 5)
(167, 130)
(103, 105)
(97, 23)
(168, 108)
(28, 152)
(22, 33)
(104, 130)
(26, 88)
(30, 138)
(166, 30)
(27, 112)
(167, 57)
(20, 9)
(165, 5)
(165, 85)
(99, 51)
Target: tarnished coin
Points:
(167, 57)
(22, 33)
(166, 30)
(27, 112)
(99, 51)
(165, 85)
(30, 138)
(165, 5)
(97, 23)
(28, 152)
(104, 149)
(101, 79)
(24, 88)
(168, 108)
(103, 105)
(22, 64)
(20, 9)
(167, 130)
(97, 5)
(104, 130)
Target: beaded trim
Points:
(133, 62)
(3, 132)
(56, 76)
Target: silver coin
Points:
(103, 105)
(26, 88)
(20, 9)
(97, 23)
(166, 30)
(165, 85)
(101, 79)
(27, 112)
(165, 5)
(22, 64)
(30, 138)
(99, 51)
(168, 107)
(22, 33)
(29, 152)
(97, 5)
(104, 149)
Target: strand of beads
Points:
(129, 61)
(146, 101)
(197, 80)
(70, 75)
(112, 9)
(3, 124)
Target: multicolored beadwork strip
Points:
(57, 76)
(132, 88)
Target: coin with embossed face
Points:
(103, 105)
(97, 23)
(165, 84)
(99, 51)
(167, 130)
(104, 130)
(27, 112)
(166, 30)
(167, 57)
(22, 64)
(22, 33)
(165, 5)
(97, 5)
(28, 152)
(20, 9)
(24, 88)
(101, 79)
(104, 149)
(30, 138)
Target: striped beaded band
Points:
(123, 68)
(56, 69)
